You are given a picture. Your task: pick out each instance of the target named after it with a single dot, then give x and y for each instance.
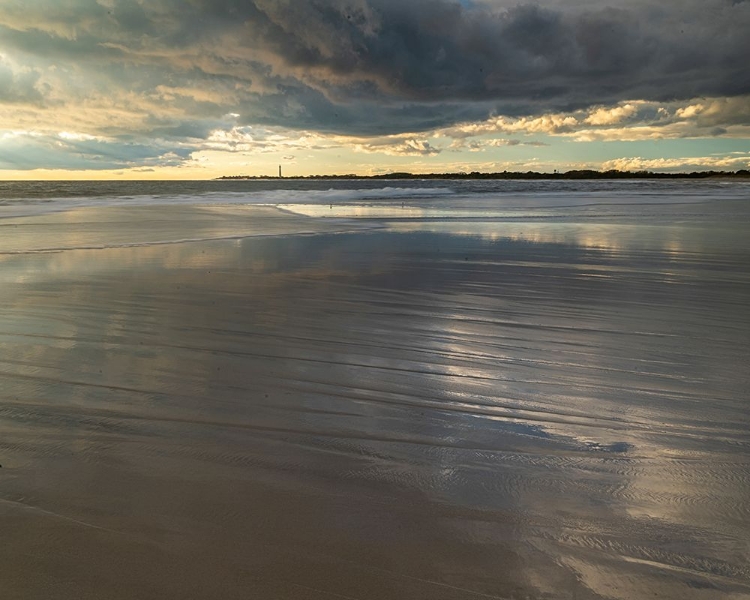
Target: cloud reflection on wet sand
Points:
(421, 414)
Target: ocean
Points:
(375, 389)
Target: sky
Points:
(196, 89)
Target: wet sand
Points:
(406, 409)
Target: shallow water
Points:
(414, 406)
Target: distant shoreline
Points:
(567, 175)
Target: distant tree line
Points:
(576, 174)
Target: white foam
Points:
(36, 206)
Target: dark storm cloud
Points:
(451, 61)
(374, 66)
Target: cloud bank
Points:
(170, 74)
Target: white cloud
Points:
(626, 121)
(610, 116)
(731, 161)
(690, 111)
(78, 137)
(398, 146)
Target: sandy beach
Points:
(250, 402)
